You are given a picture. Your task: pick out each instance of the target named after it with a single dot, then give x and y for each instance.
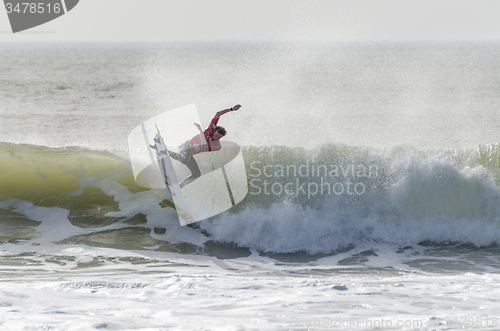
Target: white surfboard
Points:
(168, 172)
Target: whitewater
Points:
(373, 175)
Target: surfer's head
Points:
(219, 132)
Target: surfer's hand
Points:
(236, 107)
(198, 126)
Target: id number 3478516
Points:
(33, 7)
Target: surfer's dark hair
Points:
(220, 130)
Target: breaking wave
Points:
(317, 200)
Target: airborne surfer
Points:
(205, 141)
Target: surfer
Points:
(205, 141)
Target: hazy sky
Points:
(321, 20)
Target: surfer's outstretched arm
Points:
(222, 112)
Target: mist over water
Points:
(430, 96)
(425, 95)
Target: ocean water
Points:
(373, 174)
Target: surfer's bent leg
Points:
(185, 157)
(175, 156)
(195, 171)
(193, 166)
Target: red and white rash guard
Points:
(196, 144)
